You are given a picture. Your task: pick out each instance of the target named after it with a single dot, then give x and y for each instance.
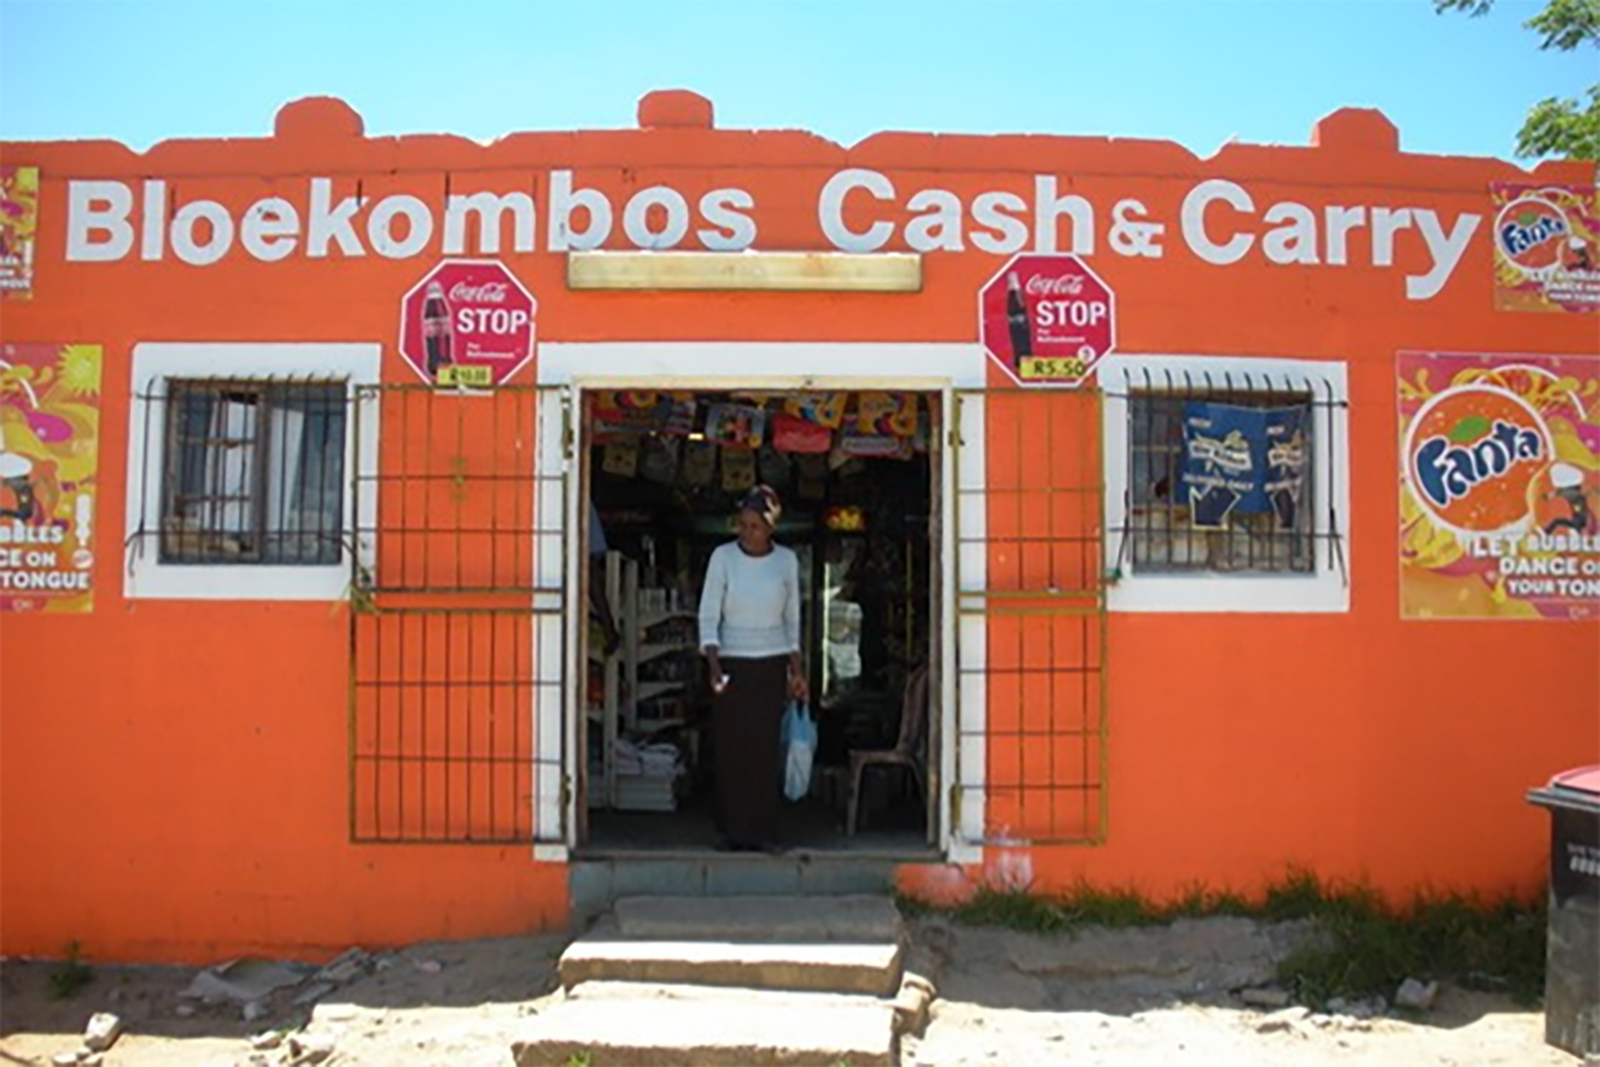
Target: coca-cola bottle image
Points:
(1017, 318)
(438, 338)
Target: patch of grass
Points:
(1370, 949)
(581, 1059)
(72, 975)
(1366, 948)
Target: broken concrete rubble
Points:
(102, 1032)
(242, 981)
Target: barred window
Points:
(1221, 480)
(253, 472)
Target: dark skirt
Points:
(745, 720)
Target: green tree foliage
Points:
(1556, 126)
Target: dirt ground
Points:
(1124, 998)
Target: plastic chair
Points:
(905, 753)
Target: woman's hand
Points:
(798, 688)
(719, 681)
(797, 679)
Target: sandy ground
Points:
(1005, 999)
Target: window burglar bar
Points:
(252, 471)
(1223, 475)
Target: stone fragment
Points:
(1265, 998)
(241, 981)
(1416, 995)
(255, 1011)
(334, 1013)
(1283, 1021)
(267, 1042)
(347, 967)
(64, 1059)
(307, 1049)
(911, 1004)
(185, 1011)
(102, 1031)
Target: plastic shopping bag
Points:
(799, 748)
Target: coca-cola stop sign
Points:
(467, 322)
(1047, 319)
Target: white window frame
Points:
(156, 362)
(1326, 589)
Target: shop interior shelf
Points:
(647, 690)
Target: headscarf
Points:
(764, 501)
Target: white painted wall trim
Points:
(966, 676)
(1327, 589)
(801, 365)
(153, 363)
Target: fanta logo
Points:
(1448, 471)
(1518, 237)
(1528, 231)
(1473, 452)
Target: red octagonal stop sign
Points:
(1047, 319)
(467, 322)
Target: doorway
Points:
(661, 473)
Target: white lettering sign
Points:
(857, 210)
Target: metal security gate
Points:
(458, 630)
(1030, 616)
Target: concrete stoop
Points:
(626, 1024)
(728, 982)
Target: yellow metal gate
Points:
(457, 633)
(1030, 616)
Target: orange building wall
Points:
(173, 775)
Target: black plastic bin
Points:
(1572, 946)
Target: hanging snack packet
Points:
(822, 409)
(790, 433)
(737, 425)
(644, 410)
(738, 469)
(658, 460)
(699, 463)
(855, 443)
(621, 458)
(887, 413)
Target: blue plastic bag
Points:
(799, 735)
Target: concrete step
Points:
(860, 918)
(605, 954)
(633, 1025)
(595, 884)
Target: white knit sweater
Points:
(750, 606)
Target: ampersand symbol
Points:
(1129, 236)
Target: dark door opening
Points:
(857, 474)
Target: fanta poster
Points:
(19, 219)
(1499, 486)
(1546, 247)
(49, 448)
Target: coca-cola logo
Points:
(485, 293)
(1061, 285)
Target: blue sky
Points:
(1197, 72)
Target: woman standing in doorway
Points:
(750, 632)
